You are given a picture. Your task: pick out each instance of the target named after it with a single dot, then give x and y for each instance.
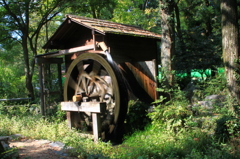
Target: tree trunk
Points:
(208, 22)
(230, 46)
(28, 72)
(167, 40)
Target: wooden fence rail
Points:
(15, 99)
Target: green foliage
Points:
(11, 153)
(210, 86)
(18, 109)
(198, 40)
(215, 85)
(22, 23)
(218, 125)
(137, 117)
(161, 143)
(138, 13)
(152, 142)
(177, 131)
(12, 80)
(172, 116)
(58, 115)
(93, 8)
(228, 127)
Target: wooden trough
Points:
(106, 65)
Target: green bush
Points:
(171, 114)
(12, 81)
(227, 127)
(174, 132)
(136, 118)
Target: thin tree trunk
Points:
(93, 11)
(208, 22)
(230, 46)
(178, 28)
(28, 73)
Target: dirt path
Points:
(40, 149)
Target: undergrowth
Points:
(173, 130)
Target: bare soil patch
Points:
(39, 149)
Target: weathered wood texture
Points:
(145, 74)
(94, 107)
(125, 48)
(72, 50)
(74, 35)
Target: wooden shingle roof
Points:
(67, 32)
(104, 26)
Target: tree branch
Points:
(6, 6)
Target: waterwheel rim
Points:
(94, 78)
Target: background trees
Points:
(143, 13)
(93, 8)
(22, 22)
(190, 27)
(197, 30)
(198, 36)
(11, 71)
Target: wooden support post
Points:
(96, 126)
(41, 70)
(94, 40)
(94, 107)
(42, 67)
(60, 80)
(73, 119)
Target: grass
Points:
(153, 142)
(173, 132)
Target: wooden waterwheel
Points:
(94, 80)
(91, 78)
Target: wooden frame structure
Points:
(132, 48)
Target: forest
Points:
(199, 57)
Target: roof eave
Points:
(137, 35)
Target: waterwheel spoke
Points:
(102, 80)
(84, 84)
(72, 83)
(91, 87)
(80, 67)
(95, 68)
(102, 91)
(79, 89)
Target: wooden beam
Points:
(41, 60)
(94, 107)
(94, 40)
(15, 99)
(71, 50)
